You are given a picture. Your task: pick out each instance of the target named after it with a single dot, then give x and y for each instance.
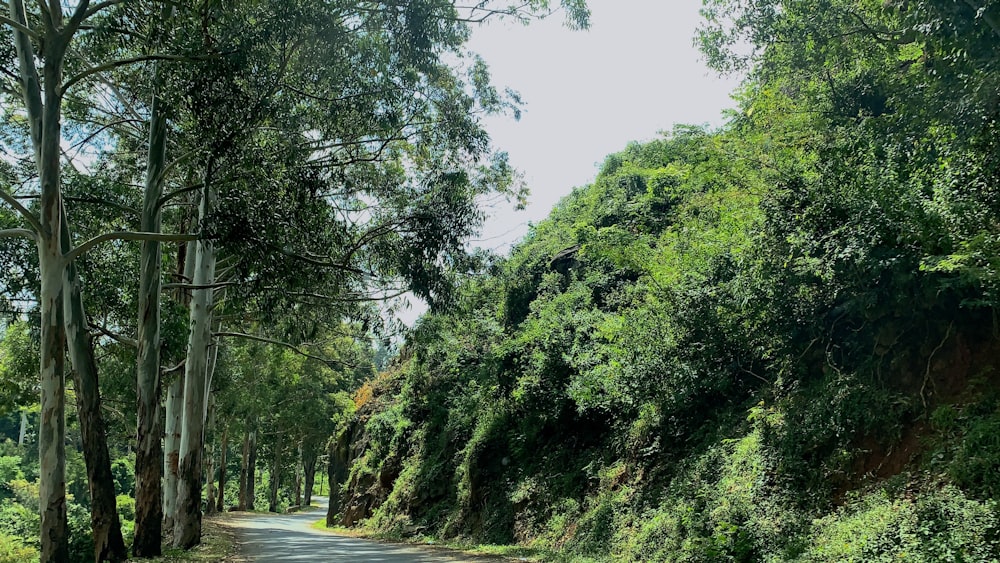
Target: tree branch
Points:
(27, 215)
(179, 191)
(177, 162)
(316, 262)
(86, 246)
(99, 201)
(29, 78)
(46, 15)
(18, 233)
(329, 363)
(78, 16)
(351, 298)
(124, 62)
(193, 286)
(22, 28)
(115, 336)
(94, 200)
(101, 129)
(172, 369)
(109, 3)
(100, 6)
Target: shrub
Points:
(19, 521)
(13, 551)
(929, 525)
(123, 470)
(81, 541)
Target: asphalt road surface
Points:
(289, 537)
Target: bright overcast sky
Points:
(634, 73)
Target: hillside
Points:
(774, 341)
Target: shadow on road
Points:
(272, 537)
(288, 545)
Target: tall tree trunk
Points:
(109, 545)
(149, 453)
(210, 457)
(187, 519)
(241, 504)
(309, 468)
(51, 427)
(24, 428)
(46, 135)
(298, 478)
(209, 478)
(175, 398)
(209, 443)
(252, 471)
(172, 442)
(273, 482)
(224, 448)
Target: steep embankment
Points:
(687, 363)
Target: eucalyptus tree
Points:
(149, 451)
(381, 135)
(377, 163)
(295, 394)
(42, 45)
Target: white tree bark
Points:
(172, 443)
(298, 478)
(174, 414)
(149, 511)
(46, 133)
(24, 428)
(213, 357)
(187, 519)
(210, 455)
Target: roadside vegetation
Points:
(209, 212)
(772, 341)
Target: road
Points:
(290, 537)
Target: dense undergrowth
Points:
(19, 512)
(775, 341)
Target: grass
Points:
(218, 544)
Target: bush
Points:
(19, 521)
(126, 507)
(975, 466)
(81, 541)
(13, 551)
(10, 470)
(931, 525)
(123, 470)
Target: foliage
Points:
(937, 525)
(13, 551)
(773, 341)
(18, 363)
(344, 143)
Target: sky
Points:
(588, 93)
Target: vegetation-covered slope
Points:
(775, 341)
